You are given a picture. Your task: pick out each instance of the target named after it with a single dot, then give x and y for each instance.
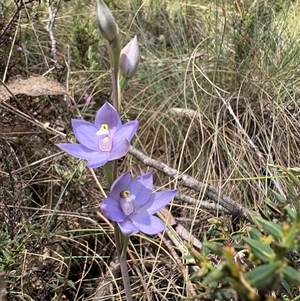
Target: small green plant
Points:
(258, 262)
(10, 249)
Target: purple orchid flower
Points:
(105, 140)
(132, 204)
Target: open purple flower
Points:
(132, 204)
(105, 140)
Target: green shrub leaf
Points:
(262, 275)
(274, 229)
(292, 274)
(260, 250)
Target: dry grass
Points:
(55, 244)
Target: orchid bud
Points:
(106, 21)
(130, 58)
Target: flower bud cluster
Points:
(130, 54)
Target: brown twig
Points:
(201, 204)
(187, 181)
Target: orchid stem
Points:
(124, 246)
(115, 84)
(114, 57)
(108, 170)
(122, 85)
(121, 246)
(121, 240)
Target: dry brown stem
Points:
(187, 181)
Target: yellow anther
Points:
(125, 194)
(103, 127)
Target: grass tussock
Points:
(216, 96)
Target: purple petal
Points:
(77, 150)
(148, 224)
(128, 228)
(112, 210)
(99, 159)
(127, 131)
(157, 201)
(108, 115)
(141, 187)
(120, 184)
(119, 149)
(85, 133)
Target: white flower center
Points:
(105, 141)
(126, 201)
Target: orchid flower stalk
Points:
(101, 143)
(110, 32)
(131, 205)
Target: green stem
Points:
(114, 50)
(108, 170)
(121, 240)
(121, 244)
(122, 85)
(125, 245)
